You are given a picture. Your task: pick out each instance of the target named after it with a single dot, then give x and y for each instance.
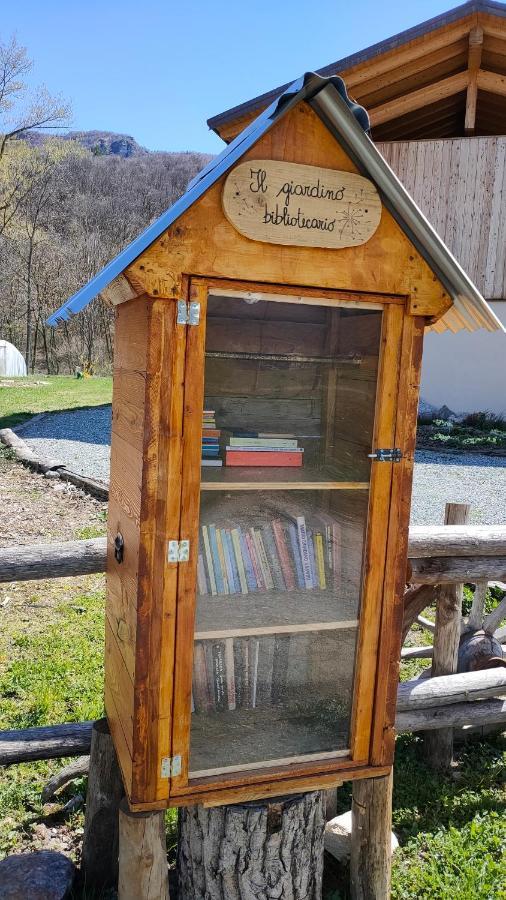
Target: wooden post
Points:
(99, 864)
(439, 744)
(143, 870)
(266, 848)
(371, 838)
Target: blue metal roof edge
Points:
(305, 86)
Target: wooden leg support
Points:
(99, 865)
(143, 871)
(439, 744)
(266, 848)
(371, 836)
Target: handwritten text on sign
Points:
(287, 203)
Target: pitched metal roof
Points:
(348, 123)
(347, 62)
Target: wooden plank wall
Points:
(128, 416)
(460, 185)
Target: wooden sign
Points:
(306, 206)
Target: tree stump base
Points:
(271, 848)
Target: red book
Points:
(282, 458)
(284, 557)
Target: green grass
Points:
(451, 828)
(48, 675)
(24, 398)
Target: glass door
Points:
(287, 419)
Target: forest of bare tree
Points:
(68, 204)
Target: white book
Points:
(267, 442)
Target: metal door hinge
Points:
(170, 765)
(390, 455)
(188, 313)
(178, 551)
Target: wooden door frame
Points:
(378, 545)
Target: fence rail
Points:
(437, 555)
(470, 553)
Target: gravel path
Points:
(80, 438)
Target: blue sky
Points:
(158, 70)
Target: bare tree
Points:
(20, 109)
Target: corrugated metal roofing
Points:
(347, 62)
(347, 121)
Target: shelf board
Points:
(274, 478)
(274, 612)
(260, 738)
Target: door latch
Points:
(386, 455)
(170, 765)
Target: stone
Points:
(337, 838)
(42, 875)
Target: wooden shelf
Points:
(260, 738)
(273, 478)
(274, 612)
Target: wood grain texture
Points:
(203, 242)
(371, 838)
(383, 736)
(160, 516)
(302, 206)
(465, 204)
(192, 440)
(373, 596)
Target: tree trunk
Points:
(439, 744)
(143, 870)
(371, 838)
(105, 790)
(266, 848)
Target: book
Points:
(304, 552)
(262, 558)
(236, 540)
(219, 676)
(261, 443)
(320, 560)
(253, 670)
(200, 685)
(223, 566)
(279, 668)
(272, 557)
(220, 584)
(282, 458)
(201, 576)
(248, 565)
(241, 673)
(211, 462)
(264, 670)
(257, 571)
(209, 559)
(294, 543)
(286, 568)
(230, 672)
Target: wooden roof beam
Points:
(473, 66)
(431, 93)
(491, 82)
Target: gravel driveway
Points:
(81, 439)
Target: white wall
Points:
(467, 372)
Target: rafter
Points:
(473, 65)
(431, 93)
(491, 82)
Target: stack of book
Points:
(279, 556)
(263, 449)
(250, 672)
(210, 440)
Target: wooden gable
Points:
(203, 241)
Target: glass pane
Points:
(289, 407)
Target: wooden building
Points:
(268, 344)
(436, 97)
